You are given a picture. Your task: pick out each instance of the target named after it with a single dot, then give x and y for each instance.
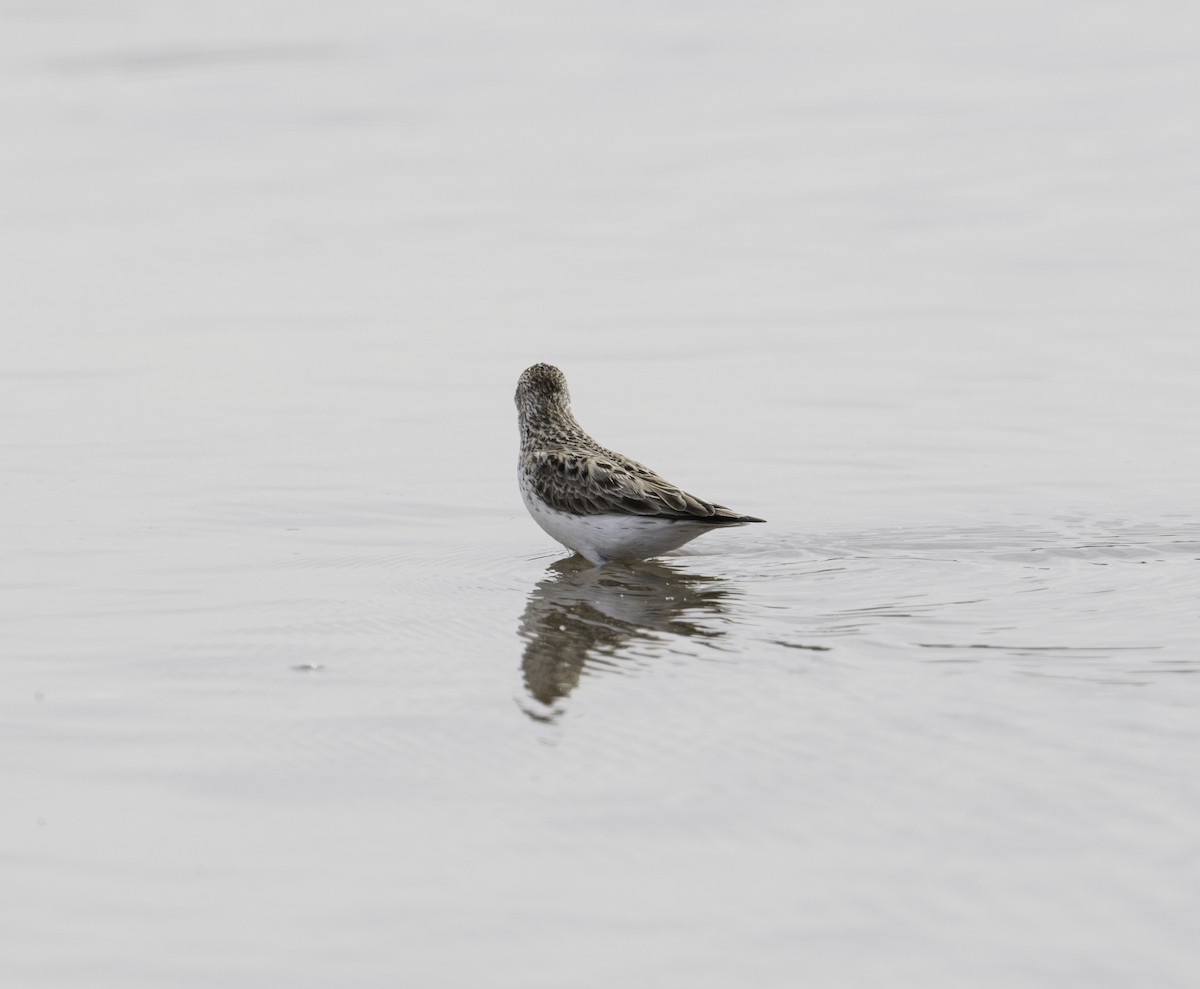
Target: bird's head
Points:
(542, 390)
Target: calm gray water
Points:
(296, 694)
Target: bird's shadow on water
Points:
(585, 620)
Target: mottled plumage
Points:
(591, 499)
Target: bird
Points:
(595, 501)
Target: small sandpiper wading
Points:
(598, 503)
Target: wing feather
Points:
(585, 484)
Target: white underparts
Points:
(606, 538)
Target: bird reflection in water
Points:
(581, 617)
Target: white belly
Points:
(605, 538)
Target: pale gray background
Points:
(292, 694)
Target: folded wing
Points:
(586, 484)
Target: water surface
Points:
(296, 693)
